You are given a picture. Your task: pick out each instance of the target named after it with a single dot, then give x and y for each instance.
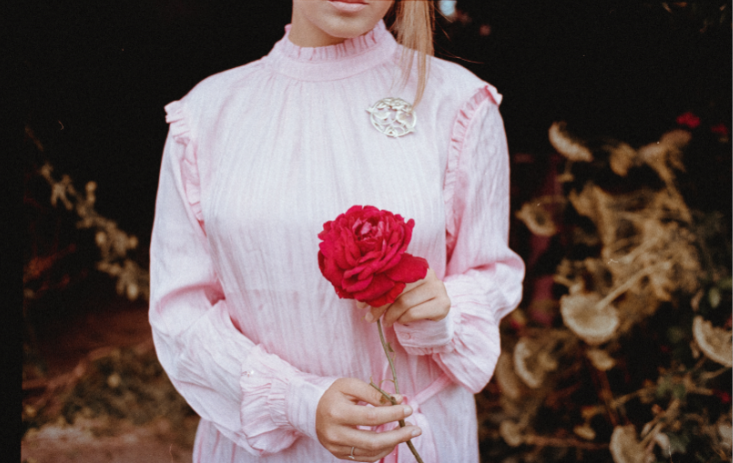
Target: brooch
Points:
(393, 117)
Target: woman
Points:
(257, 159)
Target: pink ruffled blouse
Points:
(256, 160)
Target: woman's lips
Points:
(348, 6)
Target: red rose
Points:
(362, 254)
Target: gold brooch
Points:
(393, 117)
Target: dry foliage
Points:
(636, 367)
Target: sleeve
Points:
(483, 275)
(252, 397)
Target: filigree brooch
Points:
(393, 117)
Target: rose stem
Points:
(387, 350)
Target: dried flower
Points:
(714, 342)
(506, 377)
(665, 154)
(623, 157)
(600, 359)
(585, 431)
(566, 145)
(532, 362)
(537, 218)
(511, 432)
(725, 432)
(625, 448)
(591, 322)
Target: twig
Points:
(542, 441)
(625, 286)
(707, 376)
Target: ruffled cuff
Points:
(475, 345)
(181, 132)
(279, 402)
(426, 337)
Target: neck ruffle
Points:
(334, 61)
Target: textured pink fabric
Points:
(257, 159)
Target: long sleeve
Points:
(483, 276)
(252, 397)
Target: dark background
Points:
(94, 75)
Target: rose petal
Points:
(343, 294)
(379, 286)
(353, 210)
(389, 297)
(409, 269)
(330, 270)
(354, 271)
(371, 255)
(338, 254)
(351, 250)
(354, 285)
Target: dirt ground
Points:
(103, 397)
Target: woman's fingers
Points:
(338, 417)
(422, 303)
(358, 415)
(372, 446)
(421, 300)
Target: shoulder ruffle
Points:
(181, 133)
(458, 135)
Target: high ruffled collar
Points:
(334, 61)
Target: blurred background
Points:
(618, 117)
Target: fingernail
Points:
(408, 410)
(369, 317)
(416, 432)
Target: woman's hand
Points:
(338, 415)
(425, 299)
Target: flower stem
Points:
(387, 351)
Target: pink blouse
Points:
(256, 160)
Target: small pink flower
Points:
(722, 395)
(720, 130)
(688, 119)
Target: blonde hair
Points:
(414, 23)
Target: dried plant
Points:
(45, 268)
(636, 367)
(113, 243)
